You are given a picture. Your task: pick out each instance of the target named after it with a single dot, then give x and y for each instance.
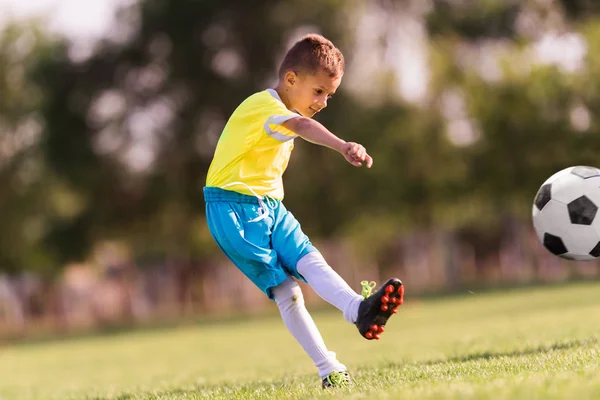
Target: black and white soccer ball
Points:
(565, 213)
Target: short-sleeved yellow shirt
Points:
(254, 148)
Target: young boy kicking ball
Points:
(246, 216)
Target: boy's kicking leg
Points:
(329, 285)
(369, 314)
(288, 297)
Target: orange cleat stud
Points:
(374, 328)
(384, 307)
(369, 335)
(385, 299)
(389, 288)
(376, 336)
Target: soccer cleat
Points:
(378, 307)
(337, 379)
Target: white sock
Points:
(296, 318)
(329, 285)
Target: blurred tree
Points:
(25, 182)
(132, 129)
(524, 103)
(580, 9)
(475, 20)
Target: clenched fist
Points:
(356, 154)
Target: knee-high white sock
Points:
(329, 285)
(298, 321)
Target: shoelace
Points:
(368, 288)
(263, 211)
(338, 379)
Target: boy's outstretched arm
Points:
(315, 132)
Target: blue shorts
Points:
(266, 251)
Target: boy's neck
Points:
(283, 95)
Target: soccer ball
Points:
(565, 213)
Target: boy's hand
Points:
(356, 154)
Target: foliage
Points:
(126, 135)
(24, 177)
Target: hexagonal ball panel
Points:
(554, 244)
(585, 172)
(582, 211)
(543, 196)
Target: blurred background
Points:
(110, 112)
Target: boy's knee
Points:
(288, 294)
(311, 261)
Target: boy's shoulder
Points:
(264, 98)
(259, 105)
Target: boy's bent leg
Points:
(303, 261)
(298, 321)
(329, 285)
(369, 313)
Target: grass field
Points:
(535, 343)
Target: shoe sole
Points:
(389, 302)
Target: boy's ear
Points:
(290, 78)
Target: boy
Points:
(249, 222)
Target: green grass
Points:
(531, 343)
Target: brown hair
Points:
(311, 53)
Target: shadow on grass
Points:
(228, 390)
(160, 395)
(488, 355)
(215, 391)
(154, 395)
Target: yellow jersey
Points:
(254, 148)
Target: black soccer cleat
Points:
(375, 310)
(336, 380)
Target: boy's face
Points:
(308, 93)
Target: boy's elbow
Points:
(298, 125)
